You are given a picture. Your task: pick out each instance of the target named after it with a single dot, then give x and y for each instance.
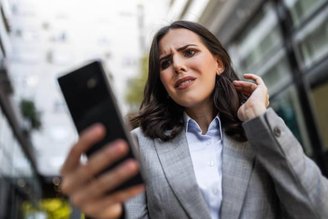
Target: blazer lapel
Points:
(177, 165)
(237, 165)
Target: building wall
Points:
(19, 183)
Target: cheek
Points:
(207, 70)
(165, 80)
(213, 82)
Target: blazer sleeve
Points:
(299, 184)
(136, 207)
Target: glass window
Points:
(18, 181)
(302, 9)
(319, 96)
(259, 50)
(23, 174)
(258, 42)
(312, 40)
(21, 165)
(275, 72)
(1, 54)
(287, 106)
(5, 147)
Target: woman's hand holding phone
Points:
(90, 191)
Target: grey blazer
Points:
(267, 177)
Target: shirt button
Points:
(215, 191)
(211, 163)
(276, 131)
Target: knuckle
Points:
(97, 189)
(77, 200)
(74, 150)
(85, 138)
(122, 172)
(103, 182)
(88, 170)
(117, 198)
(67, 184)
(89, 209)
(108, 153)
(64, 187)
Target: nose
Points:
(178, 64)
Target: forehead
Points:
(176, 38)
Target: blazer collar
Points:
(237, 165)
(177, 165)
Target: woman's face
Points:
(187, 68)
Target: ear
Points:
(220, 66)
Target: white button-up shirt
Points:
(206, 155)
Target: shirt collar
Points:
(192, 126)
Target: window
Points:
(312, 40)
(258, 42)
(287, 106)
(319, 96)
(278, 74)
(302, 9)
(259, 50)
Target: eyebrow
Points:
(178, 49)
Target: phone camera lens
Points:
(92, 83)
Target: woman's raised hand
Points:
(258, 97)
(83, 185)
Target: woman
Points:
(208, 146)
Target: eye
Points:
(189, 52)
(165, 63)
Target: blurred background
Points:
(284, 41)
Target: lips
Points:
(184, 83)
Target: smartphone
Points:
(90, 100)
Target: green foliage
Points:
(136, 86)
(53, 208)
(30, 113)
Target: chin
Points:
(186, 104)
(187, 100)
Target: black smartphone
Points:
(90, 100)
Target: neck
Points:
(202, 115)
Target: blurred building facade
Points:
(286, 43)
(19, 181)
(41, 40)
(51, 38)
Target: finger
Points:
(107, 182)
(258, 80)
(106, 212)
(106, 157)
(267, 100)
(245, 86)
(102, 204)
(114, 212)
(96, 163)
(88, 137)
(247, 93)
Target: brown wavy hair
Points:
(160, 117)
